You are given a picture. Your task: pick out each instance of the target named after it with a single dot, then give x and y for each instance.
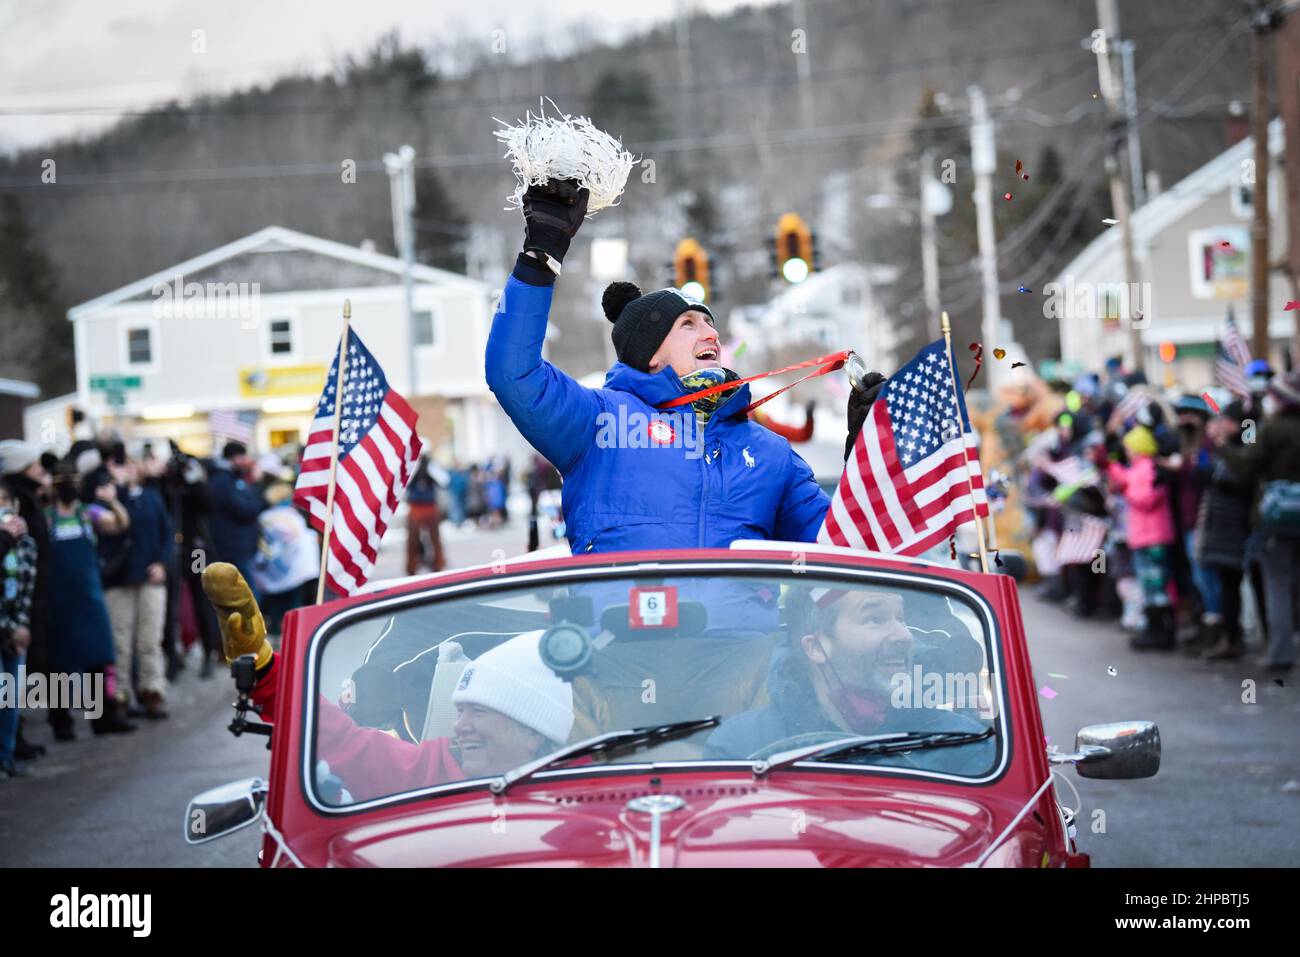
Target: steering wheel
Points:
(807, 739)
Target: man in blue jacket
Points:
(236, 501)
(699, 475)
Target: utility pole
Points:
(401, 183)
(1126, 48)
(1263, 22)
(1105, 42)
(804, 65)
(929, 248)
(983, 161)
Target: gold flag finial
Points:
(944, 324)
(347, 309)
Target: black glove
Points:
(552, 214)
(859, 405)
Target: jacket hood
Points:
(655, 388)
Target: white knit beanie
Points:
(512, 679)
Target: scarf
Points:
(706, 378)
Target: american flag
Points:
(1071, 470)
(908, 483)
(230, 425)
(1133, 402)
(1234, 356)
(1079, 544)
(377, 449)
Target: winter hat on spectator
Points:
(1140, 441)
(641, 323)
(1287, 388)
(512, 679)
(88, 460)
(16, 455)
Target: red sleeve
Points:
(373, 763)
(370, 762)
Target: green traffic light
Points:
(794, 270)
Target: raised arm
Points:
(555, 414)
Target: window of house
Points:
(424, 328)
(139, 347)
(280, 332)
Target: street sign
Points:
(116, 398)
(114, 383)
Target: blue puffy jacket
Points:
(738, 481)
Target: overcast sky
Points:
(73, 65)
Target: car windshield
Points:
(428, 691)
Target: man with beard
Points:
(837, 674)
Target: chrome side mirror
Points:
(223, 810)
(1117, 751)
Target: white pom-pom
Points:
(542, 148)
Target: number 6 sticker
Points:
(652, 607)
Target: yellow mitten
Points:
(243, 631)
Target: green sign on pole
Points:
(114, 383)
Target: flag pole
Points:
(334, 451)
(952, 379)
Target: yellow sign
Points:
(258, 382)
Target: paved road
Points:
(1219, 799)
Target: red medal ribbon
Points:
(828, 363)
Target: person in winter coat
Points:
(423, 517)
(236, 501)
(1150, 533)
(1274, 457)
(636, 477)
(17, 585)
(28, 481)
(837, 674)
(511, 709)
(1219, 540)
(81, 634)
(287, 563)
(136, 593)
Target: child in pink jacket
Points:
(1150, 533)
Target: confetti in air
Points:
(978, 349)
(999, 353)
(1291, 304)
(1110, 670)
(1023, 289)
(1053, 674)
(1110, 222)
(1017, 365)
(1020, 171)
(1006, 196)
(1209, 400)
(740, 350)
(1225, 244)
(1047, 692)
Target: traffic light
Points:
(794, 254)
(691, 270)
(1168, 352)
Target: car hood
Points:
(721, 824)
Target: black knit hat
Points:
(641, 323)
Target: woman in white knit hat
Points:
(511, 708)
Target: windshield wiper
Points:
(607, 743)
(872, 744)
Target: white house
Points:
(835, 308)
(1192, 245)
(250, 328)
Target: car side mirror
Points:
(223, 810)
(1120, 750)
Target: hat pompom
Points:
(617, 295)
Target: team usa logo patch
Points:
(661, 432)
(465, 677)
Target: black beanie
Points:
(641, 323)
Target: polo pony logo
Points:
(749, 459)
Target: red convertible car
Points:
(769, 705)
